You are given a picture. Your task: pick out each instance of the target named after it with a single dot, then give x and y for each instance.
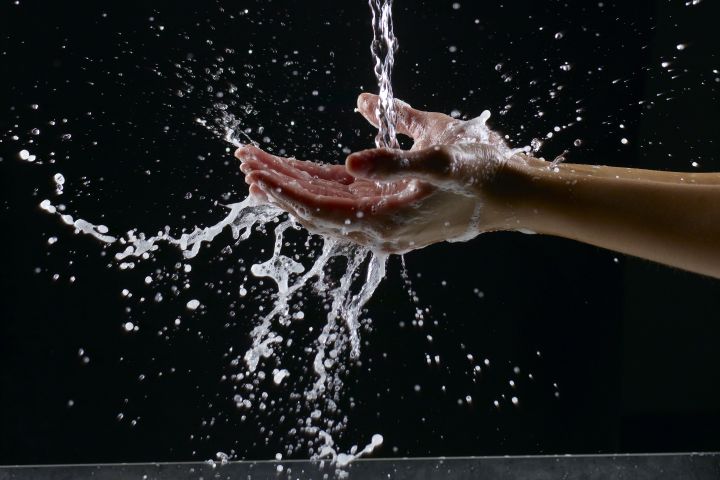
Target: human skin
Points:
(460, 179)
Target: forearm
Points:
(669, 217)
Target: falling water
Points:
(362, 271)
(383, 47)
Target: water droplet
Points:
(279, 376)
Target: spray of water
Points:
(346, 296)
(383, 47)
(362, 271)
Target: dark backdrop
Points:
(623, 353)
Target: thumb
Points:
(432, 164)
(447, 166)
(409, 121)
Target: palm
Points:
(325, 198)
(396, 214)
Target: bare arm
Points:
(669, 217)
(460, 179)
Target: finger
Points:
(409, 121)
(323, 227)
(258, 193)
(291, 166)
(312, 187)
(324, 203)
(334, 173)
(292, 174)
(370, 188)
(443, 165)
(305, 204)
(431, 164)
(336, 209)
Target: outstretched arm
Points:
(669, 217)
(460, 179)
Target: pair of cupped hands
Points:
(446, 187)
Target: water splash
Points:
(344, 291)
(339, 339)
(383, 49)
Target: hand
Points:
(445, 188)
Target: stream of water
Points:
(383, 48)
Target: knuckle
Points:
(439, 160)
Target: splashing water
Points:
(383, 49)
(340, 336)
(362, 272)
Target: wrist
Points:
(525, 191)
(512, 195)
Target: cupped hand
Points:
(445, 188)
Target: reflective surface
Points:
(691, 466)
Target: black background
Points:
(632, 346)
